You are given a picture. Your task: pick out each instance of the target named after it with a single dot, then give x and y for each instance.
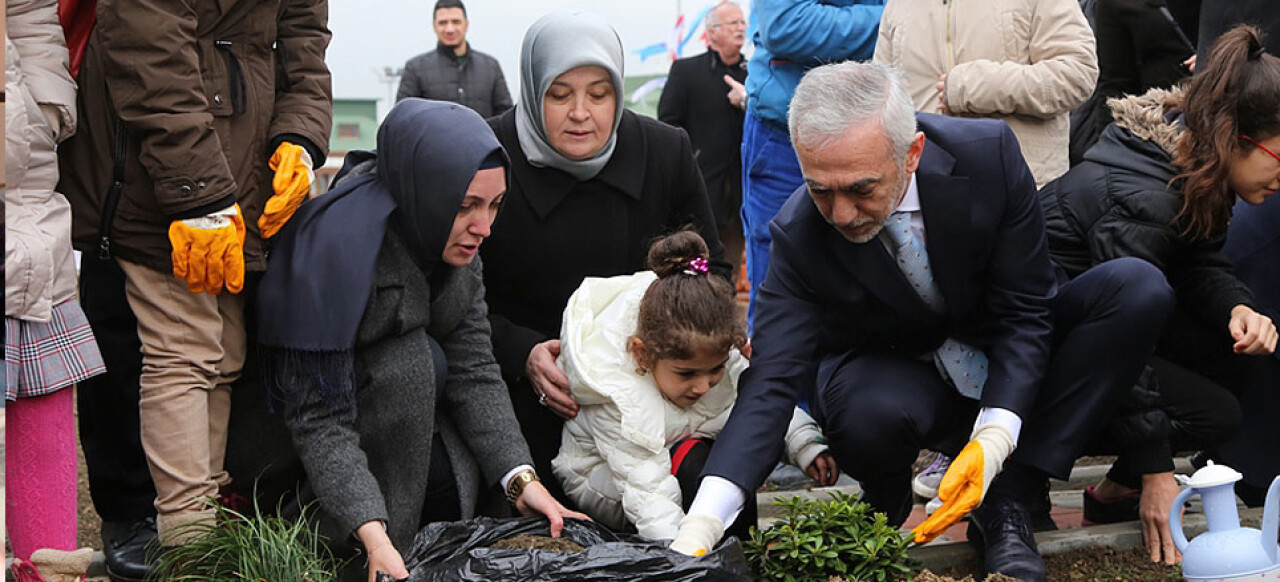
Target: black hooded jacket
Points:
(1118, 203)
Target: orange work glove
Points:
(292, 184)
(965, 484)
(208, 251)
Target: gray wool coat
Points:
(375, 466)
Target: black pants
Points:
(1202, 414)
(687, 459)
(878, 409)
(110, 432)
(541, 429)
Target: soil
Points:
(1094, 564)
(536, 542)
(927, 576)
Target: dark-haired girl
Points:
(1159, 185)
(653, 360)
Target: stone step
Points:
(1091, 474)
(1061, 493)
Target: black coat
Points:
(1219, 16)
(554, 230)
(475, 80)
(1253, 243)
(696, 99)
(1115, 204)
(1138, 48)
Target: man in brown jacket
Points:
(184, 104)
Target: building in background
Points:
(355, 127)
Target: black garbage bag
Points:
(459, 551)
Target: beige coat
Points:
(1028, 62)
(40, 112)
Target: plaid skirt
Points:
(41, 357)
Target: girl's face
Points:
(578, 111)
(683, 382)
(1254, 173)
(475, 216)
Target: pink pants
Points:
(40, 473)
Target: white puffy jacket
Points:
(40, 111)
(614, 459)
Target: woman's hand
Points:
(534, 500)
(1158, 491)
(1255, 333)
(823, 470)
(550, 381)
(383, 556)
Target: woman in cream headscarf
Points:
(591, 185)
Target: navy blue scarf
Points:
(321, 272)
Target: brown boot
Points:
(60, 566)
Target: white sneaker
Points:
(932, 506)
(925, 484)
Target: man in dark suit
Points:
(911, 297)
(705, 96)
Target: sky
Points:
(370, 35)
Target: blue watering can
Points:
(1227, 551)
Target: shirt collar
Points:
(910, 200)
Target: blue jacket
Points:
(793, 36)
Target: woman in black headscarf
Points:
(373, 323)
(591, 186)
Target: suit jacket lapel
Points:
(946, 202)
(870, 265)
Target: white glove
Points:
(698, 533)
(997, 445)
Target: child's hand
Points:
(823, 470)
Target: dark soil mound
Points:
(534, 542)
(1091, 564)
(927, 576)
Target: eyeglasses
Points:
(1260, 146)
(738, 22)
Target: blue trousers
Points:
(770, 173)
(878, 409)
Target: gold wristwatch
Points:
(518, 483)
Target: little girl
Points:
(653, 360)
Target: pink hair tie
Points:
(696, 266)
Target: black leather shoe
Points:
(1000, 531)
(126, 547)
(1041, 511)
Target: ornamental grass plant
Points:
(818, 540)
(257, 547)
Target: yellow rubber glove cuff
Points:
(291, 183)
(208, 251)
(965, 484)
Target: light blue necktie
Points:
(963, 365)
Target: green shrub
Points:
(816, 540)
(257, 547)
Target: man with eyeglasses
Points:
(705, 96)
